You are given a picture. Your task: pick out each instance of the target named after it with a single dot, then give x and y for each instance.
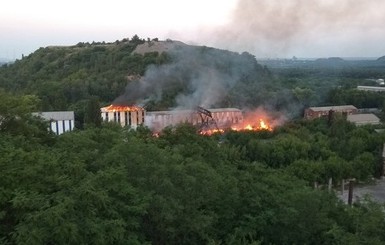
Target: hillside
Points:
(158, 46)
(170, 74)
(381, 59)
(64, 76)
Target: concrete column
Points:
(330, 184)
(342, 186)
(350, 195)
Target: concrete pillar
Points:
(342, 186)
(330, 184)
(350, 194)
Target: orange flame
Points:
(262, 125)
(247, 126)
(212, 131)
(113, 108)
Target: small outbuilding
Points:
(316, 112)
(59, 121)
(363, 119)
(371, 88)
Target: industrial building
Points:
(59, 121)
(357, 116)
(134, 116)
(131, 116)
(316, 112)
(363, 119)
(371, 88)
(222, 117)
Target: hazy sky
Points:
(265, 28)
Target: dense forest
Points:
(109, 185)
(104, 184)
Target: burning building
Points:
(134, 116)
(221, 117)
(131, 116)
(207, 120)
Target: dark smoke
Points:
(272, 28)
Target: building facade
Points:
(371, 88)
(223, 117)
(131, 116)
(316, 112)
(363, 119)
(59, 121)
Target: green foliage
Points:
(16, 118)
(315, 150)
(62, 76)
(109, 186)
(358, 98)
(92, 113)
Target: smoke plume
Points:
(197, 76)
(273, 28)
(201, 76)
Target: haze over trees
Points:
(104, 184)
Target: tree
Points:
(92, 114)
(363, 166)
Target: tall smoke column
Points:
(269, 28)
(200, 76)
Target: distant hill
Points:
(4, 61)
(158, 46)
(162, 74)
(332, 61)
(64, 76)
(381, 59)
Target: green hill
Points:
(162, 74)
(64, 76)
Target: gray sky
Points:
(265, 28)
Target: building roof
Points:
(169, 112)
(56, 115)
(363, 119)
(371, 88)
(333, 108)
(173, 112)
(224, 109)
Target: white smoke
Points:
(198, 76)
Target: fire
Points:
(248, 127)
(212, 131)
(260, 125)
(263, 125)
(113, 108)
